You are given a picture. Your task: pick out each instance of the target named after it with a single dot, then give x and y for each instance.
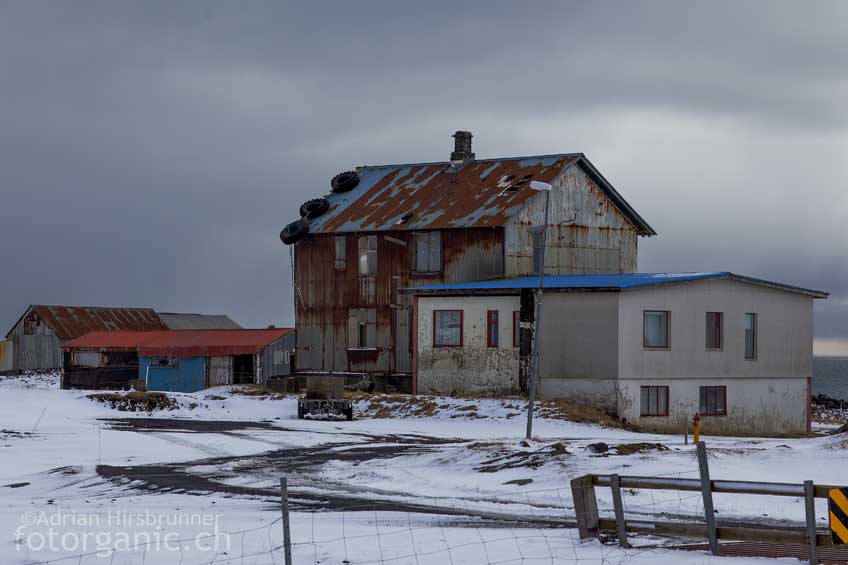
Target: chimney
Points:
(462, 147)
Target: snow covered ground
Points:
(449, 481)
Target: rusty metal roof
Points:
(73, 321)
(183, 343)
(482, 193)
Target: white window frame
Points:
(368, 255)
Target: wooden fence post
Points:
(810, 499)
(707, 492)
(284, 498)
(618, 505)
(586, 506)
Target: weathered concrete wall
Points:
(473, 368)
(755, 406)
(587, 234)
(764, 395)
(579, 347)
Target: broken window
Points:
(427, 252)
(715, 323)
(362, 328)
(492, 328)
(655, 329)
(750, 336)
(368, 255)
(713, 401)
(447, 328)
(654, 401)
(537, 235)
(163, 361)
(340, 252)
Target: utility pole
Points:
(534, 372)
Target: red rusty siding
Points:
(325, 294)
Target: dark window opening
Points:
(654, 401)
(715, 329)
(713, 401)
(244, 371)
(750, 336)
(516, 328)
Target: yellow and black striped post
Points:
(838, 506)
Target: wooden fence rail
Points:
(590, 524)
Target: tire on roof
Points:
(294, 232)
(345, 181)
(311, 209)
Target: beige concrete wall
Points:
(473, 368)
(579, 347)
(764, 395)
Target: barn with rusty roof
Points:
(388, 227)
(34, 343)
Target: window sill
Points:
(714, 349)
(428, 274)
(653, 415)
(460, 346)
(646, 348)
(362, 349)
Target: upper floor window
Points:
(715, 330)
(427, 252)
(368, 255)
(492, 328)
(750, 336)
(655, 329)
(447, 328)
(537, 235)
(340, 252)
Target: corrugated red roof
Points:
(482, 193)
(74, 321)
(184, 343)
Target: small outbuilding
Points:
(178, 360)
(653, 348)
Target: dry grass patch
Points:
(257, 391)
(581, 413)
(136, 401)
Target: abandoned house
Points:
(652, 348)
(38, 336)
(178, 360)
(384, 228)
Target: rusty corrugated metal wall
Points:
(325, 295)
(587, 234)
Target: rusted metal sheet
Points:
(587, 233)
(325, 295)
(69, 322)
(434, 196)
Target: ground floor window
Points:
(447, 328)
(362, 328)
(654, 401)
(492, 328)
(516, 328)
(713, 401)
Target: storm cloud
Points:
(151, 152)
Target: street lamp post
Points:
(534, 371)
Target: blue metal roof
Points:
(600, 282)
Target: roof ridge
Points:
(488, 160)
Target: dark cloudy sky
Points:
(150, 152)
